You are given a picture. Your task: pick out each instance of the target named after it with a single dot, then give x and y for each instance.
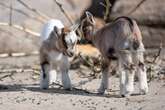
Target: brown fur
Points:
(123, 37)
(111, 34)
(50, 44)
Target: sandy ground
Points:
(20, 91)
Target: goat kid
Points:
(122, 39)
(58, 43)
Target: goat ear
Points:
(65, 30)
(57, 31)
(90, 17)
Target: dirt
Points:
(19, 76)
(19, 89)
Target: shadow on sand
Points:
(59, 90)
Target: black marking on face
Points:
(64, 42)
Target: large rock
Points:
(15, 41)
(150, 16)
(149, 12)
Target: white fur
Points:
(71, 37)
(58, 62)
(52, 76)
(127, 75)
(48, 27)
(141, 72)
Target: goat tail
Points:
(135, 31)
(137, 36)
(130, 20)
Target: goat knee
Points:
(129, 79)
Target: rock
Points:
(150, 16)
(14, 41)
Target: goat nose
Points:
(70, 53)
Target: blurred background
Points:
(21, 20)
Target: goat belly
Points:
(56, 57)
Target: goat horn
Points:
(90, 17)
(75, 26)
(88, 13)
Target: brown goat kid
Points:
(122, 39)
(58, 44)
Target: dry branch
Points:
(11, 72)
(68, 17)
(24, 13)
(63, 11)
(21, 28)
(11, 10)
(94, 64)
(139, 4)
(158, 54)
(34, 10)
(107, 6)
(19, 70)
(5, 76)
(20, 54)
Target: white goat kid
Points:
(121, 38)
(58, 43)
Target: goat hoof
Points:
(122, 95)
(100, 92)
(68, 89)
(44, 88)
(125, 95)
(143, 91)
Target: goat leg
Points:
(105, 77)
(44, 77)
